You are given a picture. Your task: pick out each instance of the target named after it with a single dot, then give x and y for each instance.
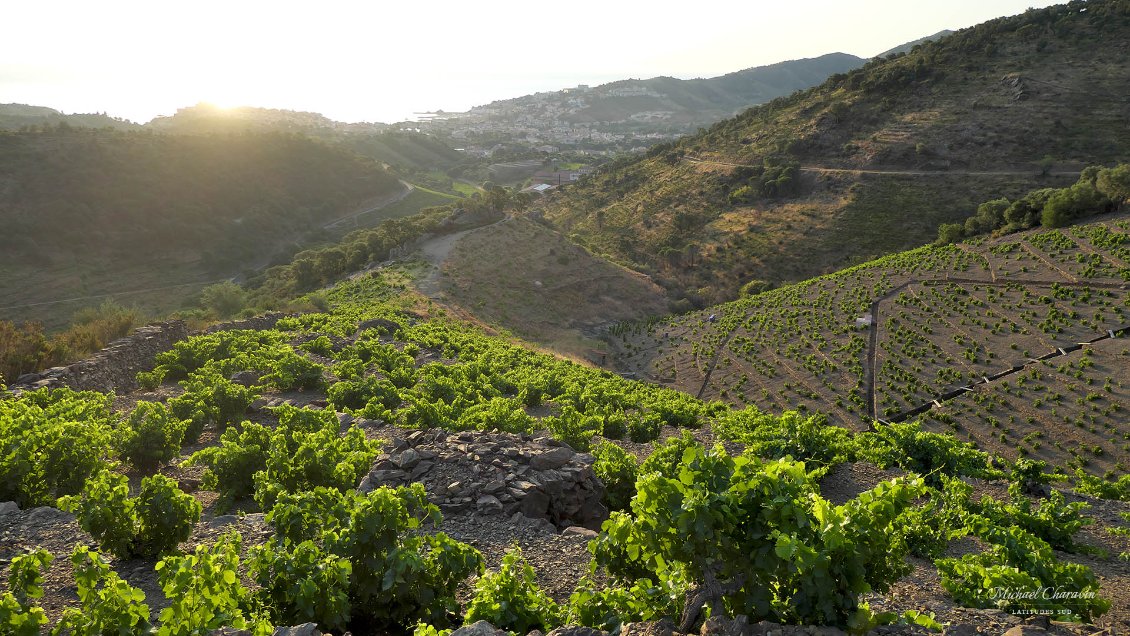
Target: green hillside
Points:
(870, 162)
(91, 212)
(405, 150)
(334, 411)
(981, 340)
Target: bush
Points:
(51, 442)
(108, 605)
(106, 511)
(232, 465)
(510, 598)
(225, 299)
(574, 428)
(756, 538)
(806, 438)
(150, 435)
(643, 426)
(617, 470)
(205, 591)
(396, 575)
(209, 398)
(19, 616)
(149, 525)
(928, 454)
(166, 515)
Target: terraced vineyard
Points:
(1015, 343)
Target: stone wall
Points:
(113, 368)
(495, 473)
(263, 321)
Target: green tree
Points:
(225, 299)
(1114, 183)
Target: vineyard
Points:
(1014, 343)
(225, 491)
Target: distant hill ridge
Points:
(700, 100)
(870, 162)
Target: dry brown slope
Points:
(995, 98)
(532, 281)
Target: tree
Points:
(950, 233)
(1115, 183)
(226, 298)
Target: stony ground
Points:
(552, 540)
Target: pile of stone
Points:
(495, 473)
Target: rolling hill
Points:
(17, 116)
(89, 213)
(380, 142)
(871, 161)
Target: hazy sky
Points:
(380, 60)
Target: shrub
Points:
(19, 616)
(396, 575)
(51, 442)
(617, 470)
(205, 591)
(166, 515)
(149, 525)
(108, 605)
(150, 435)
(757, 539)
(510, 598)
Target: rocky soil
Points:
(498, 490)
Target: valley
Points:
(828, 347)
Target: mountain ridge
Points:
(1005, 96)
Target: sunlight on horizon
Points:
(362, 62)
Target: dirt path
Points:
(373, 206)
(436, 250)
(910, 173)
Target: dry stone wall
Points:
(113, 368)
(495, 473)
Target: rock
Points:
(345, 419)
(305, 629)
(550, 459)
(9, 508)
(489, 505)
(245, 378)
(420, 470)
(557, 484)
(223, 520)
(47, 515)
(651, 628)
(576, 631)
(579, 531)
(28, 378)
(722, 626)
(535, 504)
(1026, 630)
(408, 459)
(1042, 621)
(387, 327)
(960, 629)
(479, 628)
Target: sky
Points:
(381, 60)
